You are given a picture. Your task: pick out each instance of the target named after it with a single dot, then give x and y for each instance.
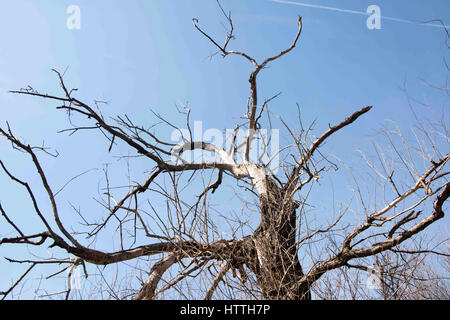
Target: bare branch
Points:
(147, 291)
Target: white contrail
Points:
(426, 23)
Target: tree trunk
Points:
(276, 265)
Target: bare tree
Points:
(265, 263)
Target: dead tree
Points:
(268, 258)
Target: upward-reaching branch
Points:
(258, 67)
(254, 91)
(310, 151)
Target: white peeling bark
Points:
(257, 174)
(259, 178)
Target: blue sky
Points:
(146, 54)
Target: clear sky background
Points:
(146, 54)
